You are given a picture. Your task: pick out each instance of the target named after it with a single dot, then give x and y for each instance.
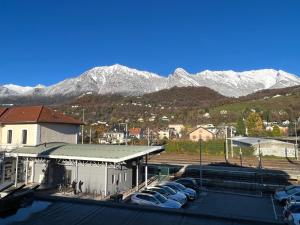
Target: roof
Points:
(254, 141)
(203, 129)
(2, 110)
(99, 153)
(135, 131)
(35, 114)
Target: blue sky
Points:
(48, 41)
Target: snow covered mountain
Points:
(123, 80)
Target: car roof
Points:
(142, 193)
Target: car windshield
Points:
(170, 190)
(289, 187)
(180, 186)
(174, 187)
(161, 198)
(292, 191)
(160, 190)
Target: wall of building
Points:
(280, 150)
(32, 133)
(59, 133)
(201, 133)
(92, 176)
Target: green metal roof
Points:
(104, 153)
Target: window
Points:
(125, 177)
(9, 136)
(24, 137)
(113, 179)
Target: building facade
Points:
(35, 125)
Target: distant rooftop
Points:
(100, 153)
(254, 141)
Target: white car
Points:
(171, 194)
(190, 193)
(154, 200)
(285, 194)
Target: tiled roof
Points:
(2, 110)
(135, 131)
(35, 114)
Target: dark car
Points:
(189, 183)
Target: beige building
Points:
(201, 133)
(35, 125)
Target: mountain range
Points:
(118, 79)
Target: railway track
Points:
(290, 166)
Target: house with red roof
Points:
(35, 125)
(135, 132)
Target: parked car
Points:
(154, 200)
(286, 188)
(190, 193)
(290, 209)
(171, 194)
(294, 218)
(189, 183)
(160, 196)
(283, 195)
(172, 191)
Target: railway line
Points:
(193, 159)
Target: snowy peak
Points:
(124, 80)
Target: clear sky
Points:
(48, 41)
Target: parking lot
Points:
(234, 205)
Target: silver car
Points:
(190, 193)
(154, 200)
(171, 194)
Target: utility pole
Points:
(231, 147)
(126, 133)
(226, 145)
(296, 135)
(148, 136)
(82, 127)
(200, 163)
(91, 134)
(259, 155)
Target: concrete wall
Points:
(32, 133)
(59, 133)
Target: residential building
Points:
(163, 134)
(114, 137)
(135, 132)
(35, 125)
(176, 130)
(201, 133)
